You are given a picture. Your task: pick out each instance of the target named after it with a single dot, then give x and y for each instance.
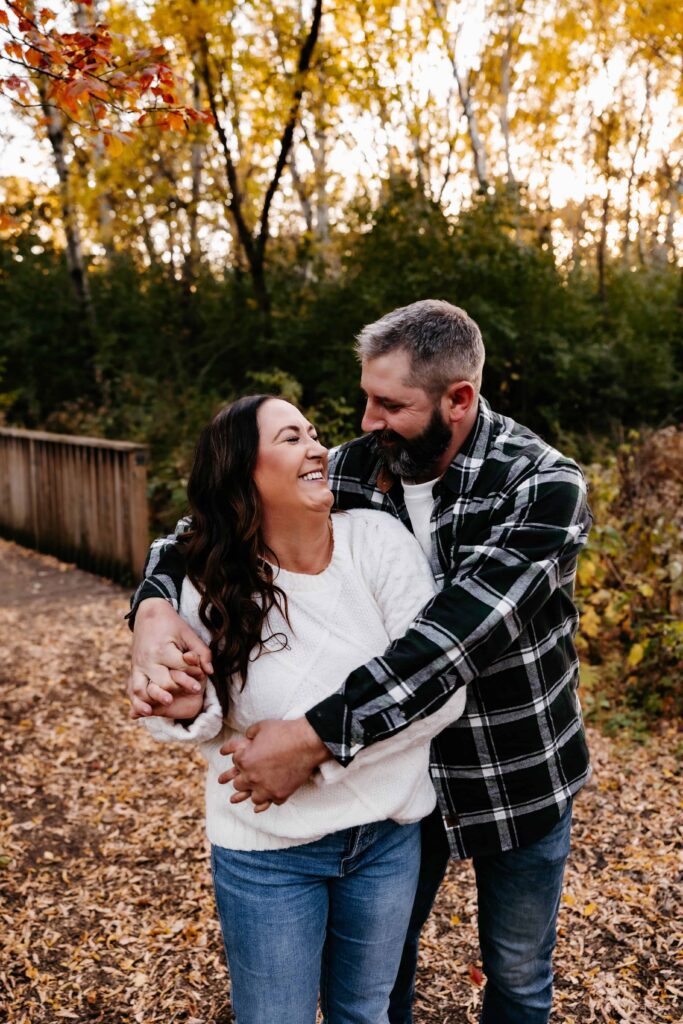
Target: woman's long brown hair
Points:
(224, 549)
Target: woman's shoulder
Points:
(372, 528)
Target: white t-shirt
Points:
(376, 583)
(419, 502)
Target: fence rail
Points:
(80, 498)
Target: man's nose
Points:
(372, 419)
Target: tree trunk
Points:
(505, 94)
(465, 93)
(74, 250)
(87, 17)
(626, 244)
(193, 254)
(255, 245)
(300, 189)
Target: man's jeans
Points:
(518, 897)
(331, 914)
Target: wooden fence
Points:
(80, 498)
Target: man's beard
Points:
(418, 457)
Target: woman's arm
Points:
(184, 706)
(189, 724)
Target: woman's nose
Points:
(317, 449)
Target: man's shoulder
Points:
(356, 459)
(517, 451)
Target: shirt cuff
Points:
(332, 720)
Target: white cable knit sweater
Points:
(375, 585)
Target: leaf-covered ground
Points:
(106, 912)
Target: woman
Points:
(314, 895)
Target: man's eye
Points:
(390, 407)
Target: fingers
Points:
(239, 798)
(188, 682)
(139, 709)
(158, 674)
(136, 688)
(194, 646)
(259, 808)
(159, 694)
(233, 746)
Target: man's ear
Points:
(458, 400)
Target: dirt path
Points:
(106, 910)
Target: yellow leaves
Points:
(113, 145)
(115, 142)
(570, 901)
(455, 919)
(635, 655)
(585, 572)
(646, 590)
(590, 623)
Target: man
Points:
(502, 517)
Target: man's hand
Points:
(274, 760)
(167, 658)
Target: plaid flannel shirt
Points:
(509, 519)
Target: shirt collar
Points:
(463, 470)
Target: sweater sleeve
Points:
(206, 726)
(398, 574)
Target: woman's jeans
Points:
(328, 916)
(518, 895)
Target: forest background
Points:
(215, 197)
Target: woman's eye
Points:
(289, 440)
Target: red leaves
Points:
(83, 73)
(476, 976)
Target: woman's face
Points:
(291, 466)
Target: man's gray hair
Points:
(444, 344)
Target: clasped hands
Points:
(274, 760)
(168, 677)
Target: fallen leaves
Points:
(106, 908)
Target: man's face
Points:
(408, 425)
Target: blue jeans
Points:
(518, 899)
(328, 917)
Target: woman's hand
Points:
(168, 659)
(183, 706)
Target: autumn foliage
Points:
(89, 74)
(631, 584)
